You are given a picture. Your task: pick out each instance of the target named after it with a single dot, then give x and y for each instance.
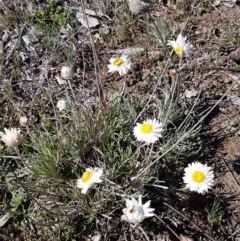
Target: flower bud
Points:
(173, 73)
(24, 121)
(66, 72)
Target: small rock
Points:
(4, 218)
(5, 36)
(216, 3)
(235, 100)
(214, 83)
(233, 123)
(1, 46)
(229, 5)
(190, 93)
(96, 237)
(232, 130)
(138, 6)
(23, 56)
(60, 80)
(88, 22)
(129, 51)
(154, 55)
(235, 55)
(105, 30)
(136, 183)
(227, 81)
(185, 238)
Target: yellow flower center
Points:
(117, 62)
(198, 176)
(146, 128)
(178, 50)
(86, 176)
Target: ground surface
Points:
(32, 58)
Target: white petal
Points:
(124, 217)
(84, 190)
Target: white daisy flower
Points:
(181, 45)
(149, 131)
(135, 212)
(61, 104)
(120, 65)
(89, 178)
(198, 177)
(11, 137)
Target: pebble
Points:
(5, 37)
(235, 55)
(191, 93)
(1, 46)
(227, 81)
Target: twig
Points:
(233, 178)
(234, 233)
(153, 185)
(195, 226)
(12, 157)
(144, 233)
(168, 227)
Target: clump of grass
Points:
(164, 28)
(231, 36)
(55, 14)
